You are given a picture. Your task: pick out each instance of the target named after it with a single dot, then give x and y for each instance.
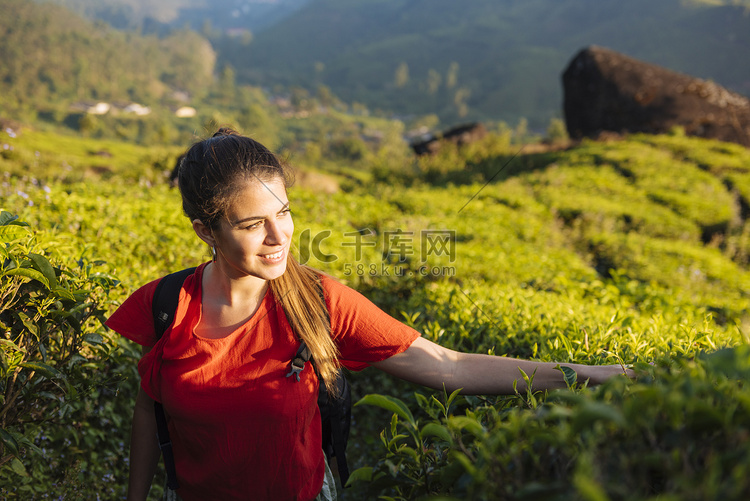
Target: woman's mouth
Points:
(276, 256)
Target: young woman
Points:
(239, 428)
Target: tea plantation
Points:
(633, 251)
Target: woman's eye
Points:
(253, 226)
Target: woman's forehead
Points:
(258, 197)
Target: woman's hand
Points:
(597, 374)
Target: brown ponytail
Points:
(299, 293)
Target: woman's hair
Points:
(211, 175)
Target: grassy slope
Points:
(667, 211)
(592, 254)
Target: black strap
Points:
(163, 307)
(340, 424)
(165, 445)
(166, 297)
(337, 415)
(298, 362)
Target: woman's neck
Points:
(227, 302)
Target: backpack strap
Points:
(163, 307)
(166, 297)
(298, 362)
(339, 419)
(335, 413)
(165, 446)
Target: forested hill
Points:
(498, 59)
(51, 56)
(483, 59)
(150, 15)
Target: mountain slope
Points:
(51, 55)
(165, 14)
(402, 55)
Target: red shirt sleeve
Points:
(363, 332)
(133, 319)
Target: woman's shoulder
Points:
(332, 286)
(134, 317)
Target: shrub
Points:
(59, 373)
(679, 432)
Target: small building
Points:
(92, 107)
(137, 109)
(185, 112)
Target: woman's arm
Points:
(431, 365)
(144, 449)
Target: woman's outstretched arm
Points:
(431, 365)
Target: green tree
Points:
(227, 88)
(556, 131)
(325, 96)
(521, 132)
(459, 100)
(401, 76)
(433, 81)
(451, 78)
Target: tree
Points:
(227, 91)
(556, 131)
(433, 81)
(451, 78)
(401, 77)
(459, 99)
(325, 96)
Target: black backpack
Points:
(335, 413)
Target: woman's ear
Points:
(204, 232)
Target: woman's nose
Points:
(275, 234)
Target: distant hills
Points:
(486, 60)
(252, 15)
(51, 55)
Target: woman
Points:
(240, 429)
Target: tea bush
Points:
(679, 432)
(62, 427)
(574, 255)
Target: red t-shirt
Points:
(239, 428)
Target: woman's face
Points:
(255, 235)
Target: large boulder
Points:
(605, 91)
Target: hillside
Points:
(628, 252)
(160, 16)
(502, 60)
(57, 66)
(51, 55)
(487, 59)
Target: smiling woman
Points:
(240, 427)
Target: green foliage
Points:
(49, 157)
(678, 432)
(557, 132)
(59, 372)
(50, 54)
(607, 274)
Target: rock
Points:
(605, 91)
(459, 135)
